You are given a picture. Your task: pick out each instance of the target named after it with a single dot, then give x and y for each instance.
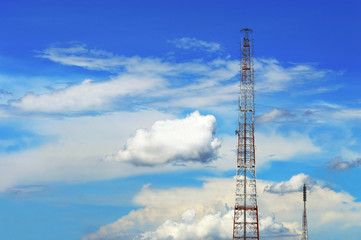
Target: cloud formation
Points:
(88, 95)
(192, 84)
(195, 44)
(337, 164)
(94, 59)
(295, 184)
(209, 227)
(269, 227)
(187, 213)
(275, 114)
(74, 150)
(274, 77)
(188, 139)
(275, 146)
(212, 226)
(191, 210)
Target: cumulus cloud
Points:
(195, 44)
(268, 226)
(295, 184)
(192, 210)
(161, 205)
(213, 226)
(209, 227)
(275, 114)
(187, 213)
(188, 139)
(337, 164)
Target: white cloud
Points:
(195, 44)
(168, 212)
(213, 226)
(347, 114)
(269, 227)
(295, 184)
(273, 77)
(161, 205)
(186, 213)
(274, 114)
(269, 147)
(74, 149)
(169, 84)
(189, 84)
(81, 56)
(188, 139)
(88, 95)
(210, 226)
(273, 146)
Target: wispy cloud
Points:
(274, 77)
(88, 95)
(337, 164)
(348, 113)
(82, 56)
(191, 84)
(195, 44)
(275, 114)
(4, 92)
(179, 83)
(23, 191)
(276, 147)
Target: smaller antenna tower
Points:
(304, 219)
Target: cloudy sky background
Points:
(117, 118)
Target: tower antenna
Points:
(245, 222)
(304, 218)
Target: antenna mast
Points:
(245, 223)
(304, 219)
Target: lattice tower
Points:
(245, 223)
(304, 218)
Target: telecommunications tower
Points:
(304, 218)
(245, 223)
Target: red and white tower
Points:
(304, 218)
(245, 223)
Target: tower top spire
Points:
(247, 30)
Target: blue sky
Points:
(117, 118)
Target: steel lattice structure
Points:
(304, 218)
(245, 223)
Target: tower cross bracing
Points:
(245, 223)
